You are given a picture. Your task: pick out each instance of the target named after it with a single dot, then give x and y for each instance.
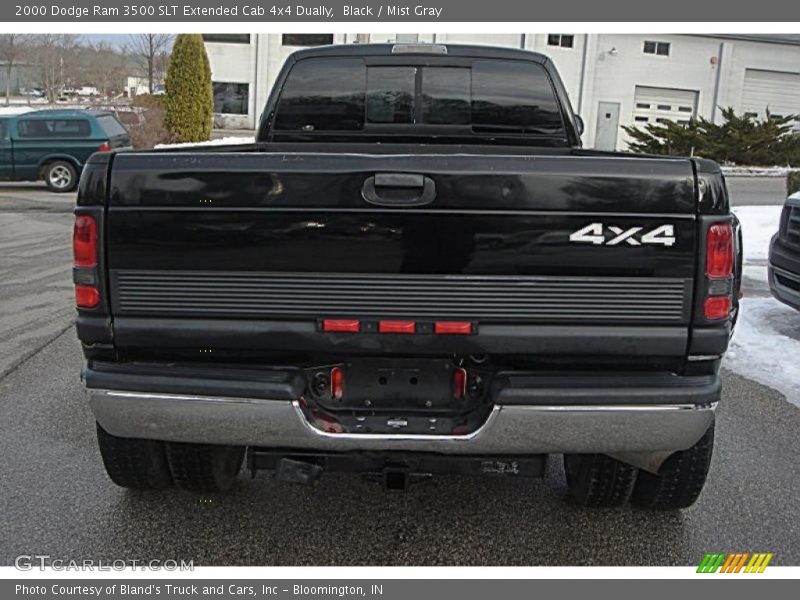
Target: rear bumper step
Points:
(138, 333)
(518, 429)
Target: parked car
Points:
(415, 269)
(35, 92)
(784, 255)
(53, 145)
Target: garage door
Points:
(778, 90)
(657, 105)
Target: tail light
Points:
(717, 307)
(719, 251)
(104, 147)
(396, 326)
(719, 271)
(453, 327)
(84, 241)
(337, 383)
(84, 252)
(341, 325)
(86, 296)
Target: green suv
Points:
(53, 145)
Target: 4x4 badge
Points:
(611, 235)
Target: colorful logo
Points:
(735, 562)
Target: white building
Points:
(613, 79)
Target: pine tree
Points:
(189, 100)
(793, 182)
(739, 139)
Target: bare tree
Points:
(12, 49)
(150, 51)
(54, 56)
(104, 67)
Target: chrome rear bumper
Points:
(510, 429)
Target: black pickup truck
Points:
(415, 269)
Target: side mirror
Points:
(579, 122)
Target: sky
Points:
(117, 40)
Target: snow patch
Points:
(226, 141)
(761, 348)
(759, 224)
(16, 110)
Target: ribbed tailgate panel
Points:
(481, 298)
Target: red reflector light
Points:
(84, 241)
(86, 296)
(104, 147)
(459, 383)
(453, 327)
(396, 326)
(341, 325)
(717, 307)
(329, 424)
(337, 383)
(719, 251)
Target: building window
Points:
(659, 48)
(231, 98)
(560, 39)
(227, 38)
(307, 39)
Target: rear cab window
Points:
(478, 98)
(323, 95)
(53, 128)
(111, 126)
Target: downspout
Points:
(256, 118)
(717, 82)
(582, 79)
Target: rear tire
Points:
(204, 468)
(61, 176)
(134, 463)
(680, 479)
(597, 480)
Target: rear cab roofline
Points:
(453, 50)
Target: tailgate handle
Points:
(398, 189)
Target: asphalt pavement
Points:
(745, 191)
(57, 499)
(36, 301)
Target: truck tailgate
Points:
(225, 248)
